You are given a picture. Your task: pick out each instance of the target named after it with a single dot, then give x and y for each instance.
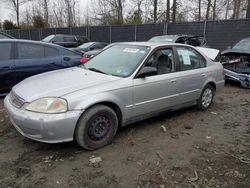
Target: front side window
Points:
(70, 39)
(30, 51)
(59, 39)
(162, 60)
(5, 49)
(118, 60)
(190, 59)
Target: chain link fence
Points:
(219, 34)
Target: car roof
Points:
(31, 42)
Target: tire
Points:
(206, 98)
(96, 127)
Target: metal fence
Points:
(219, 34)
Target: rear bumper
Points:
(48, 128)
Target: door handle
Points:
(173, 81)
(204, 75)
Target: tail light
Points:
(84, 60)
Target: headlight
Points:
(48, 105)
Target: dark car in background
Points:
(20, 59)
(5, 36)
(89, 46)
(68, 41)
(182, 39)
(236, 62)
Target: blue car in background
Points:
(20, 59)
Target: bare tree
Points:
(208, 9)
(15, 6)
(199, 14)
(174, 10)
(236, 9)
(45, 5)
(109, 11)
(248, 9)
(168, 10)
(155, 4)
(214, 10)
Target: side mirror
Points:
(147, 71)
(229, 47)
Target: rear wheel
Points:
(96, 128)
(206, 98)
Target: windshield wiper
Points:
(97, 70)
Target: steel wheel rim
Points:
(99, 128)
(207, 97)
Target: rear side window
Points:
(51, 52)
(69, 53)
(190, 59)
(30, 51)
(5, 49)
(70, 39)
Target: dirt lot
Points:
(197, 149)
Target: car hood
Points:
(235, 51)
(59, 83)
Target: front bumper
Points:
(48, 128)
(244, 79)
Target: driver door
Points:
(158, 92)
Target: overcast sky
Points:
(6, 13)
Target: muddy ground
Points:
(197, 149)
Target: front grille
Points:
(16, 100)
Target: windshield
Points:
(48, 38)
(86, 45)
(118, 60)
(243, 45)
(163, 39)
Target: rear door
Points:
(32, 59)
(7, 78)
(193, 73)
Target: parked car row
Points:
(124, 83)
(118, 85)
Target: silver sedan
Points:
(127, 82)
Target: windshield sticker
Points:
(131, 50)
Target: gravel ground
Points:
(187, 148)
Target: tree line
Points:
(67, 13)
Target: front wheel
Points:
(96, 128)
(206, 98)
